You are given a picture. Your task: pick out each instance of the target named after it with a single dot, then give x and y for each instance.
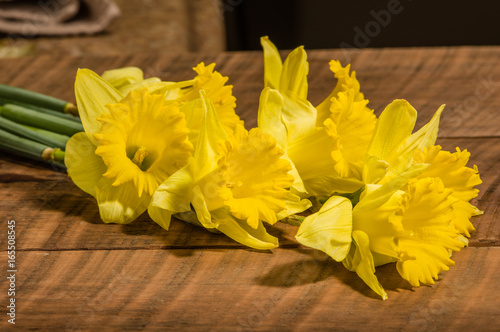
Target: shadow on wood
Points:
(321, 267)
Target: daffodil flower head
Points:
(336, 134)
(425, 238)
(413, 210)
(350, 126)
(253, 178)
(410, 227)
(215, 88)
(143, 140)
(452, 170)
(233, 183)
(186, 93)
(338, 148)
(131, 144)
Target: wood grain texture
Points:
(76, 273)
(243, 290)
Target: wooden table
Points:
(76, 273)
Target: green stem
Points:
(40, 120)
(30, 149)
(37, 136)
(59, 155)
(61, 139)
(293, 220)
(34, 98)
(66, 116)
(21, 146)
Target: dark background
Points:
(339, 24)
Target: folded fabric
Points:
(29, 18)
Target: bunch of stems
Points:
(35, 125)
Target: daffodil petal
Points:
(298, 184)
(152, 85)
(360, 260)
(374, 169)
(311, 156)
(329, 184)
(425, 137)
(452, 170)
(241, 232)
(270, 118)
(394, 126)
(200, 206)
(380, 259)
(294, 74)
(373, 199)
(345, 81)
(194, 114)
(374, 221)
(294, 204)
(299, 116)
(329, 230)
(92, 94)
(211, 134)
(121, 77)
(350, 127)
(272, 63)
(84, 167)
(463, 212)
(160, 216)
(172, 196)
(119, 204)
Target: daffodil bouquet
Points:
(365, 190)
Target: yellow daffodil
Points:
(451, 169)
(335, 135)
(131, 144)
(186, 93)
(284, 111)
(213, 84)
(414, 209)
(289, 81)
(233, 183)
(338, 147)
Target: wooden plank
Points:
(53, 214)
(243, 290)
(76, 273)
